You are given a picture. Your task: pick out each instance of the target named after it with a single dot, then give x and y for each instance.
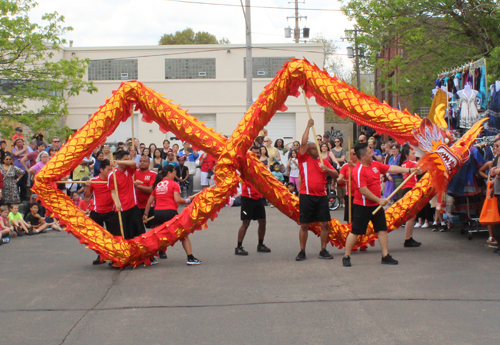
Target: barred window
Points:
(190, 68)
(113, 69)
(265, 67)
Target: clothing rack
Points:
(471, 65)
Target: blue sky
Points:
(143, 22)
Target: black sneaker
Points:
(261, 248)
(388, 260)
(346, 261)
(435, 227)
(19, 233)
(411, 243)
(301, 256)
(240, 251)
(97, 261)
(162, 255)
(443, 227)
(323, 254)
(193, 261)
(154, 261)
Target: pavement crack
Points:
(114, 278)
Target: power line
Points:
(267, 7)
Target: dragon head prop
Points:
(443, 157)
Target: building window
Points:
(113, 70)
(189, 68)
(265, 67)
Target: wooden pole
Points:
(150, 218)
(349, 172)
(80, 182)
(314, 131)
(116, 191)
(133, 139)
(396, 190)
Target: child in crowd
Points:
(76, 198)
(292, 188)
(17, 220)
(85, 205)
(276, 172)
(36, 221)
(6, 228)
(293, 168)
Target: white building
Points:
(207, 80)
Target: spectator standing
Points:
(313, 197)
(3, 149)
(264, 157)
(293, 168)
(18, 152)
(338, 151)
(157, 161)
(191, 157)
(56, 143)
(272, 151)
(106, 152)
(11, 176)
(32, 157)
(170, 160)
(166, 149)
(41, 161)
(181, 176)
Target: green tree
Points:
(34, 82)
(188, 36)
(430, 36)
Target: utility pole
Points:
(249, 62)
(296, 31)
(358, 75)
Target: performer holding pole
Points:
(102, 208)
(116, 197)
(346, 174)
(367, 197)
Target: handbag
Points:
(489, 213)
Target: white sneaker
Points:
(417, 225)
(426, 225)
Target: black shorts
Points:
(346, 208)
(163, 216)
(314, 208)
(252, 209)
(362, 215)
(110, 219)
(132, 223)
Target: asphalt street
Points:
(445, 292)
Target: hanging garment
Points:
(482, 89)
(494, 111)
(468, 113)
(464, 182)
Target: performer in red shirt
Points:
(207, 163)
(127, 201)
(367, 197)
(144, 180)
(102, 209)
(167, 194)
(313, 198)
(409, 161)
(252, 208)
(344, 178)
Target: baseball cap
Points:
(3, 141)
(19, 129)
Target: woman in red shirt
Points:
(167, 195)
(409, 161)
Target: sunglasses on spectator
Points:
(497, 146)
(55, 141)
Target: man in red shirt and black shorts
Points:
(144, 180)
(252, 208)
(126, 202)
(102, 211)
(313, 198)
(367, 197)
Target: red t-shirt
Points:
(413, 181)
(148, 178)
(208, 163)
(164, 194)
(250, 192)
(345, 171)
(368, 177)
(85, 205)
(102, 200)
(126, 190)
(312, 178)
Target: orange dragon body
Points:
(234, 159)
